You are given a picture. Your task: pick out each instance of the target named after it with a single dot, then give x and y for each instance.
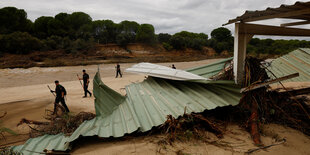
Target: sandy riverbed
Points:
(24, 94)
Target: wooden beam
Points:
(256, 29)
(295, 23)
(278, 15)
(300, 17)
(256, 86)
(296, 92)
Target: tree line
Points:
(71, 32)
(78, 32)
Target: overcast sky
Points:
(167, 16)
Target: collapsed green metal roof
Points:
(297, 61)
(212, 69)
(146, 105)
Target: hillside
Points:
(107, 53)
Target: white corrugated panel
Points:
(163, 72)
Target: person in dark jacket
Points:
(85, 83)
(173, 67)
(118, 70)
(60, 96)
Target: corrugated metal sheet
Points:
(146, 105)
(274, 11)
(210, 70)
(46, 142)
(297, 61)
(163, 72)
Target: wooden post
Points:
(240, 42)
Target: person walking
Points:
(85, 83)
(118, 70)
(60, 96)
(173, 67)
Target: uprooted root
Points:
(189, 126)
(263, 106)
(67, 123)
(286, 110)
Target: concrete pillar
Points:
(240, 42)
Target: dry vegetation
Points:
(61, 122)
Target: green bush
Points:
(19, 43)
(163, 37)
(146, 34)
(123, 39)
(177, 42)
(167, 46)
(186, 39)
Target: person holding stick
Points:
(60, 96)
(85, 83)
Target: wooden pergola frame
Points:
(245, 31)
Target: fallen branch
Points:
(259, 85)
(67, 123)
(26, 121)
(265, 147)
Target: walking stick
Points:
(51, 90)
(79, 80)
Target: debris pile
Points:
(65, 123)
(263, 105)
(257, 107)
(190, 126)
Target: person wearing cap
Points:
(60, 96)
(85, 83)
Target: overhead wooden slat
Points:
(301, 17)
(256, 29)
(295, 23)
